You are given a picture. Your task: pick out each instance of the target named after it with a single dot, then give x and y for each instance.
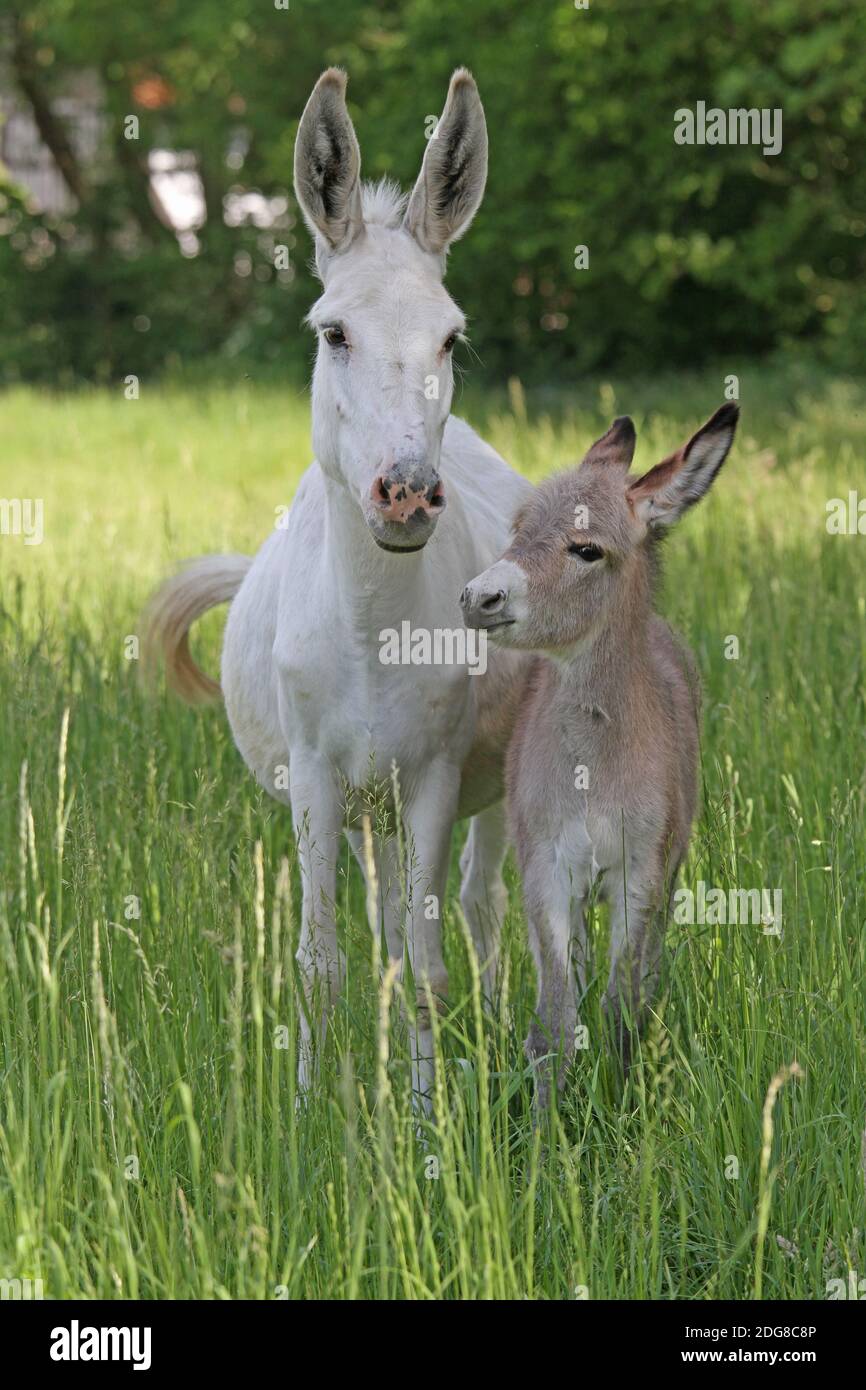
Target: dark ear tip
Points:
(462, 77)
(726, 416)
(623, 427)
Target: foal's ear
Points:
(661, 496)
(454, 172)
(328, 166)
(616, 448)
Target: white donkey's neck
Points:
(363, 575)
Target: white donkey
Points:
(366, 549)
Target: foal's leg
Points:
(551, 1032)
(637, 930)
(555, 900)
(317, 813)
(483, 895)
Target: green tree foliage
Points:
(695, 251)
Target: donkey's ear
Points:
(454, 172)
(328, 165)
(616, 448)
(661, 496)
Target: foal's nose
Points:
(481, 601)
(398, 497)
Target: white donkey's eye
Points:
(334, 336)
(450, 341)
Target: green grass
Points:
(150, 1144)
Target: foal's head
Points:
(580, 556)
(386, 325)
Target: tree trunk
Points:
(50, 127)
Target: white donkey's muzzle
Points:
(404, 505)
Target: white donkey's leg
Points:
(483, 895)
(392, 913)
(386, 911)
(356, 841)
(317, 814)
(429, 818)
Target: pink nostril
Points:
(398, 500)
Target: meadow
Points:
(150, 1141)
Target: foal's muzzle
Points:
(485, 603)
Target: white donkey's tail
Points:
(205, 583)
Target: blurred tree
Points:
(694, 251)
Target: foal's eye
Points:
(449, 342)
(334, 336)
(586, 552)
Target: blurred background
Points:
(145, 182)
(145, 196)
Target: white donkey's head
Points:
(383, 380)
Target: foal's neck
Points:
(608, 674)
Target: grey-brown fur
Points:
(613, 692)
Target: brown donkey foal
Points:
(602, 767)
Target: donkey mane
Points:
(383, 203)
